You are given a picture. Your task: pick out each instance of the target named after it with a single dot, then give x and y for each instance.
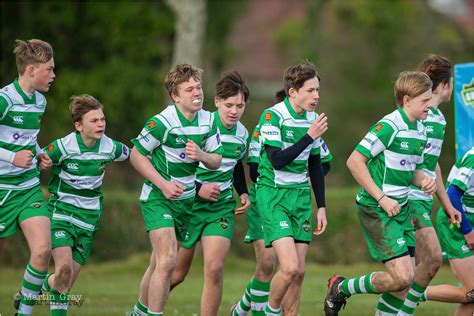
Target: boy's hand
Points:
(428, 185)
(318, 127)
(322, 222)
(245, 202)
(209, 191)
(193, 151)
(389, 205)
(23, 159)
(172, 189)
(44, 161)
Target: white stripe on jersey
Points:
(89, 203)
(81, 182)
(285, 178)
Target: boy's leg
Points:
(215, 250)
(37, 232)
(183, 264)
(141, 306)
(287, 255)
(292, 298)
(165, 248)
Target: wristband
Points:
(381, 198)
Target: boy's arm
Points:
(448, 208)
(141, 163)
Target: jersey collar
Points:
(221, 126)
(26, 98)
(184, 121)
(407, 121)
(292, 111)
(83, 148)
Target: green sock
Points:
(59, 303)
(139, 309)
(389, 304)
(424, 296)
(32, 281)
(358, 285)
(259, 296)
(269, 311)
(243, 305)
(413, 296)
(45, 288)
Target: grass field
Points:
(111, 289)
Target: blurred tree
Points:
(190, 28)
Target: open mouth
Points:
(197, 101)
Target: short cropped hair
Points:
(438, 68)
(82, 104)
(412, 84)
(179, 74)
(31, 52)
(230, 84)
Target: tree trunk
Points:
(190, 27)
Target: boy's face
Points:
(419, 106)
(231, 109)
(190, 95)
(92, 125)
(43, 75)
(307, 97)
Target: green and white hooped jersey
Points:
(20, 121)
(281, 126)
(164, 138)
(435, 125)
(326, 155)
(394, 147)
(234, 145)
(462, 176)
(78, 173)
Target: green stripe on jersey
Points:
(77, 176)
(281, 126)
(394, 147)
(20, 120)
(462, 176)
(234, 146)
(435, 128)
(164, 138)
(254, 146)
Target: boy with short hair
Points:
(79, 163)
(21, 201)
(177, 139)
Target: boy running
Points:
(21, 201)
(385, 163)
(290, 132)
(167, 153)
(79, 163)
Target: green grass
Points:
(111, 288)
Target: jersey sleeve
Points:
(270, 129)
(316, 146)
(377, 140)
(212, 143)
(254, 146)
(3, 107)
(464, 179)
(122, 152)
(326, 155)
(53, 151)
(151, 136)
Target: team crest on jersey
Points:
(306, 226)
(102, 165)
(50, 148)
(289, 134)
(255, 134)
(238, 151)
(151, 124)
(224, 223)
(268, 116)
(378, 127)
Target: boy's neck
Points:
(25, 85)
(436, 101)
(187, 114)
(89, 142)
